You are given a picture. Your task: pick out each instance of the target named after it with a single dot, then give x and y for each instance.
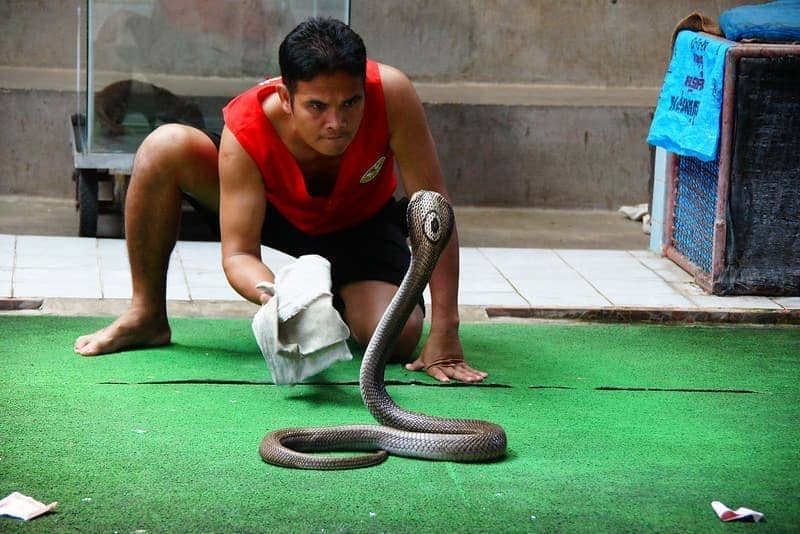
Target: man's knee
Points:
(409, 338)
(164, 148)
(365, 304)
(406, 342)
(179, 157)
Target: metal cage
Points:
(734, 223)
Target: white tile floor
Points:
(68, 267)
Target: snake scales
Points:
(404, 433)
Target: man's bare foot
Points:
(127, 332)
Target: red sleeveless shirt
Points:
(366, 179)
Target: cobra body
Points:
(403, 433)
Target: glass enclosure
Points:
(143, 63)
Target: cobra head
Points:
(430, 223)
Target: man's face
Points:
(327, 111)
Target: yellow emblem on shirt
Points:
(373, 171)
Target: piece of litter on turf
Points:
(740, 514)
(140, 431)
(24, 507)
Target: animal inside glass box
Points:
(144, 63)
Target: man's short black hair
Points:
(321, 46)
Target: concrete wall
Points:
(594, 42)
(38, 33)
(37, 36)
(532, 102)
(582, 157)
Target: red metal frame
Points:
(711, 281)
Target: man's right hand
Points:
(267, 291)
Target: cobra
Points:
(403, 433)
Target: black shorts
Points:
(375, 249)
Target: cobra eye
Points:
(432, 226)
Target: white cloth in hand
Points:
(299, 331)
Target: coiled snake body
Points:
(404, 433)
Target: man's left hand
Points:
(443, 358)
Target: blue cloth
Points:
(777, 21)
(686, 120)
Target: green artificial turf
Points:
(610, 428)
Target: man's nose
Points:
(336, 119)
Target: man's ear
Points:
(286, 98)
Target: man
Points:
(305, 164)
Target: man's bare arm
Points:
(415, 151)
(241, 211)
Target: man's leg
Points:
(172, 159)
(365, 302)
